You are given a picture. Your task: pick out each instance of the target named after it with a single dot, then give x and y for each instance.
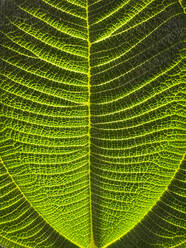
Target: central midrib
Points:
(92, 244)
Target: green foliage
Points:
(92, 124)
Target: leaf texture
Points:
(92, 124)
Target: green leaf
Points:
(92, 124)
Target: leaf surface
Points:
(92, 124)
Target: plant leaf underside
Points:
(92, 137)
